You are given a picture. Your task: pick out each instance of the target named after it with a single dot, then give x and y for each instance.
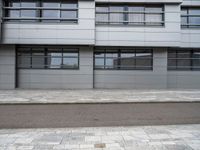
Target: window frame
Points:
(188, 16)
(126, 14)
(119, 52)
(45, 65)
(39, 11)
(176, 59)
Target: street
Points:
(97, 115)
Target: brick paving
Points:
(174, 137)
(97, 96)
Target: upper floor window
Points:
(190, 17)
(41, 10)
(123, 59)
(141, 15)
(184, 59)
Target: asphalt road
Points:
(86, 115)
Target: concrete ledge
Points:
(21, 96)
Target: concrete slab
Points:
(97, 96)
(116, 138)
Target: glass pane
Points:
(99, 62)
(28, 4)
(136, 18)
(116, 18)
(127, 54)
(143, 54)
(184, 54)
(69, 4)
(68, 54)
(184, 64)
(14, 3)
(102, 9)
(14, 13)
(172, 63)
(54, 54)
(116, 8)
(127, 62)
(102, 18)
(99, 54)
(51, 13)
(196, 54)
(153, 18)
(183, 11)
(112, 62)
(38, 62)
(144, 63)
(194, 20)
(193, 11)
(54, 62)
(172, 54)
(111, 53)
(136, 8)
(24, 61)
(69, 14)
(196, 60)
(153, 9)
(183, 20)
(70, 62)
(28, 13)
(50, 3)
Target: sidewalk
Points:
(97, 96)
(175, 137)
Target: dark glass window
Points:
(47, 58)
(184, 59)
(41, 11)
(190, 17)
(123, 59)
(152, 15)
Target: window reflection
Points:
(130, 14)
(48, 58)
(190, 17)
(47, 10)
(184, 59)
(123, 59)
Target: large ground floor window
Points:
(184, 59)
(49, 57)
(123, 59)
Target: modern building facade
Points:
(84, 44)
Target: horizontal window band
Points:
(39, 8)
(189, 24)
(127, 22)
(140, 12)
(190, 16)
(41, 18)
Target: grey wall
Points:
(60, 79)
(82, 33)
(157, 78)
(168, 35)
(7, 67)
(183, 79)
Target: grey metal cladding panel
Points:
(166, 36)
(129, 79)
(183, 79)
(7, 67)
(60, 79)
(142, 1)
(82, 33)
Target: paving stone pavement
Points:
(173, 137)
(97, 95)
